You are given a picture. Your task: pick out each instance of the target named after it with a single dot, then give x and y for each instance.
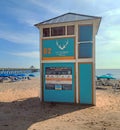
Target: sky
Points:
(19, 38)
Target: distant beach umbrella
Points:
(14, 75)
(4, 75)
(109, 74)
(105, 77)
(23, 75)
(31, 75)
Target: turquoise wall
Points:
(59, 95)
(86, 33)
(65, 47)
(85, 79)
(85, 50)
(59, 47)
(86, 36)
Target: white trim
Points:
(94, 73)
(57, 61)
(81, 60)
(77, 83)
(55, 37)
(66, 30)
(85, 42)
(76, 65)
(40, 42)
(83, 22)
(76, 41)
(50, 33)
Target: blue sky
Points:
(19, 39)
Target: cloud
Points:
(19, 12)
(23, 15)
(113, 12)
(108, 38)
(110, 17)
(47, 6)
(31, 14)
(33, 54)
(19, 37)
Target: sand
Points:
(20, 109)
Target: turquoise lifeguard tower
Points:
(67, 58)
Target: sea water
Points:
(114, 72)
(26, 72)
(37, 74)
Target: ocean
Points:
(26, 72)
(115, 72)
(37, 74)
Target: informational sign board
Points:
(58, 78)
(58, 49)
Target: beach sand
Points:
(20, 109)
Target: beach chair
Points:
(116, 85)
(1, 79)
(104, 82)
(100, 84)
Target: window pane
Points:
(85, 33)
(85, 50)
(57, 31)
(70, 30)
(46, 32)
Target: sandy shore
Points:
(20, 109)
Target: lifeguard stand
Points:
(67, 55)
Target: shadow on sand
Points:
(21, 114)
